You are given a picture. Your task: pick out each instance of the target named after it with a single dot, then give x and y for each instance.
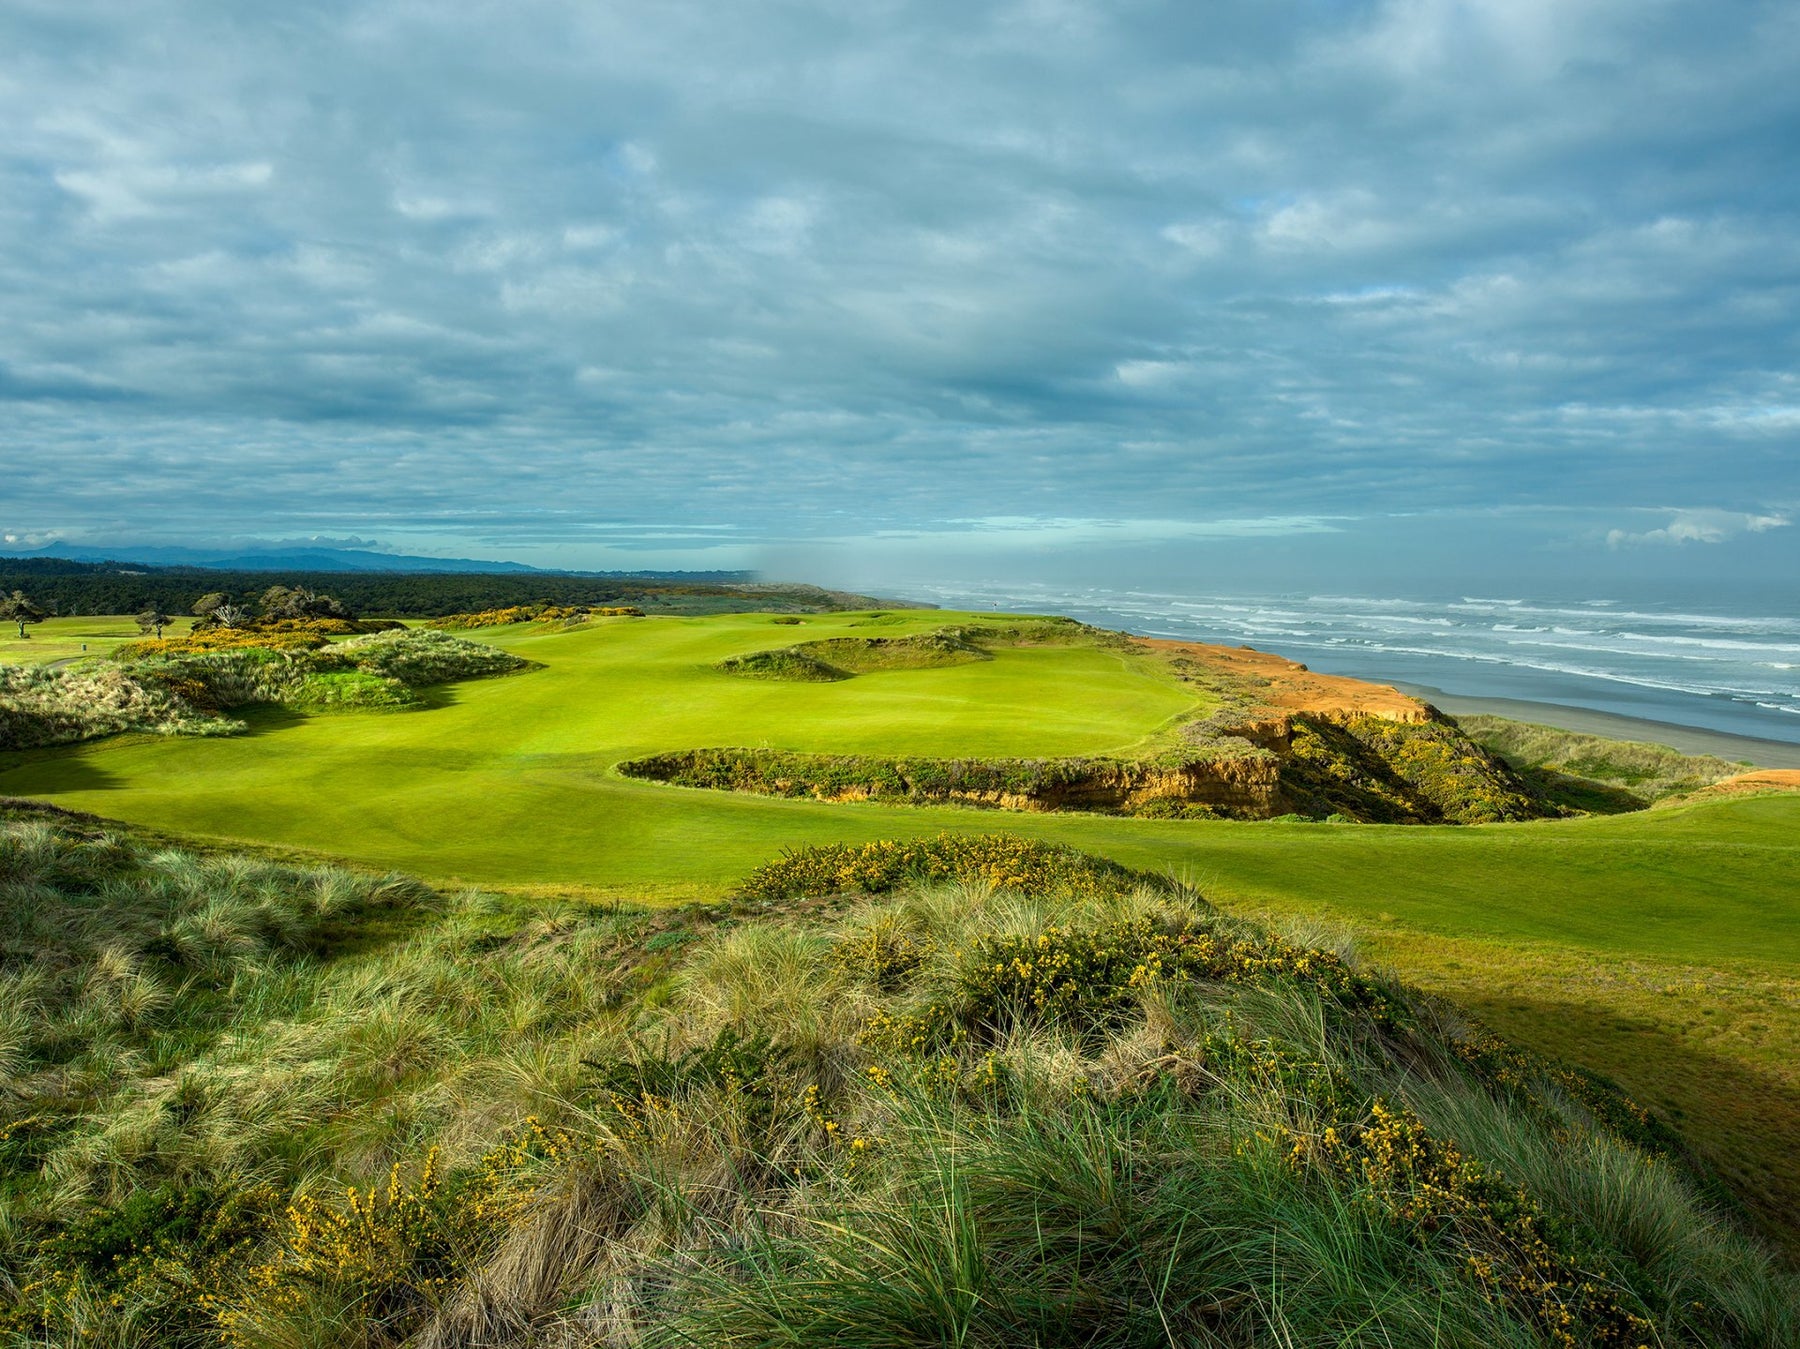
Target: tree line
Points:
(58, 587)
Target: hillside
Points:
(1662, 947)
(1033, 1098)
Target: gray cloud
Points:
(561, 279)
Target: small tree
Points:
(298, 602)
(152, 620)
(218, 611)
(18, 608)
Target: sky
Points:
(867, 289)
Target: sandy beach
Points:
(1687, 739)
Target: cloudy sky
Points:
(865, 285)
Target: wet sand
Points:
(1687, 739)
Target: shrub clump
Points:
(1003, 861)
(275, 634)
(40, 706)
(788, 663)
(177, 691)
(1387, 771)
(559, 615)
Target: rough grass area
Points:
(176, 688)
(261, 1105)
(1362, 769)
(835, 658)
(1590, 773)
(41, 706)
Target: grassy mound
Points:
(787, 663)
(40, 706)
(999, 861)
(1362, 768)
(871, 655)
(174, 688)
(1590, 773)
(260, 1105)
(834, 658)
(1380, 771)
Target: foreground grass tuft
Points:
(1018, 1096)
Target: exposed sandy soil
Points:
(1283, 686)
(1763, 780)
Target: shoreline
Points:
(1612, 726)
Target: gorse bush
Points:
(277, 634)
(1010, 1095)
(549, 614)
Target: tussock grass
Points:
(1066, 1106)
(1589, 772)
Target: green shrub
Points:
(1401, 772)
(179, 688)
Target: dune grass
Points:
(1039, 1101)
(1590, 772)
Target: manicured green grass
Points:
(508, 782)
(61, 638)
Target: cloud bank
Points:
(569, 281)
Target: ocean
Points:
(1677, 662)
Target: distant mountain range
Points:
(311, 559)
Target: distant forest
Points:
(74, 588)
